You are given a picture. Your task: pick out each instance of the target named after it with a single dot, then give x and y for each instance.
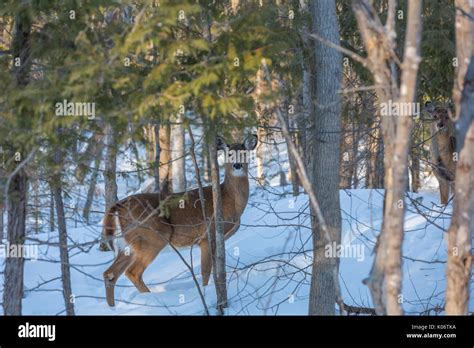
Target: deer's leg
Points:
(144, 254)
(112, 274)
(444, 191)
(206, 261)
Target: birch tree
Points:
(178, 158)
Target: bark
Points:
(178, 155)
(156, 162)
(221, 287)
(415, 172)
(110, 173)
(14, 266)
(305, 181)
(63, 247)
(165, 159)
(460, 233)
(36, 204)
(206, 163)
(84, 160)
(375, 161)
(323, 156)
(385, 277)
(150, 141)
(91, 190)
(18, 186)
(262, 110)
(305, 121)
(347, 156)
(51, 213)
(2, 222)
(464, 47)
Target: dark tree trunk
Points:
(14, 266)
(51, 213)
(220, 272)
(17, 190)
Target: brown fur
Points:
(443, 147)
(146, 232)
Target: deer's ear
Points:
(220, 143)
(250, 142)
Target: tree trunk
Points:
(165, 158)
(110, 173)
(415, 172)
(306, 121)
(17, 190)
(51, 213)
(458, 271)
(91, 190)
(14, 266)
(2, 222)
(460, 233)
(178, 167)
(464, 47)
(375, 161)
(324, 156)
(63, 248)
(385, 277)
(261, 109)
(206, 163)
(347, 158)
(221, 286)
(35, 186)
(156, 162)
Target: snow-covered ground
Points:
(268, 263)
(268, 259)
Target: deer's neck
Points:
(235, 194)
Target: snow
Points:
(268, 263)
(268, 260)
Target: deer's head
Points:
(440, 116)
(238, 155)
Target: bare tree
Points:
(464, 47)
(57, 191)
(458, 271)
(385, 277)
(323, 156)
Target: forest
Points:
(236, 157)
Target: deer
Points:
(442, 149)
(138, 227)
